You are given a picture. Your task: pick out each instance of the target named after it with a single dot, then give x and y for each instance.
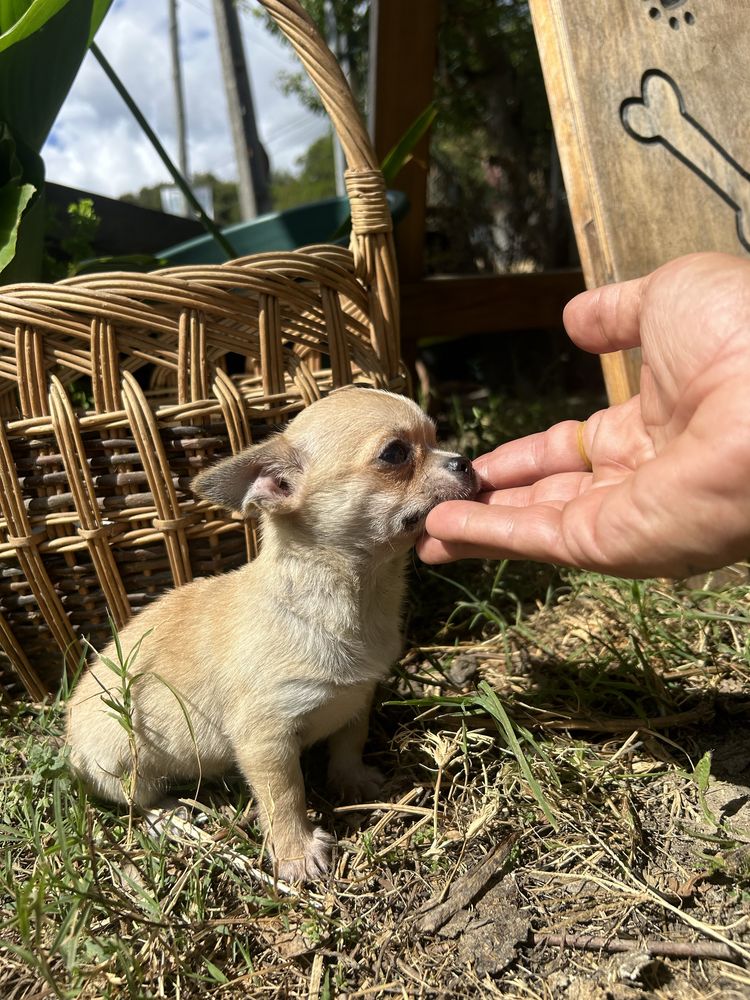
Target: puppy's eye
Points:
(395, 453)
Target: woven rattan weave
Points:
(185, 365)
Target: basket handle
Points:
(325, 72)
(372, 229)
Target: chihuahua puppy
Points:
(249, 668)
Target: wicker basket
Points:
(97, 515)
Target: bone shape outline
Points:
(660, 115)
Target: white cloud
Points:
(97, 145)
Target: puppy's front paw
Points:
(358, 783)
(308, 861)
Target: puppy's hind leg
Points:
(348, 775)
(300, 850)
(107, 773)
(117, 785)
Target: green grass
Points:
(87, 900)
(598, 721)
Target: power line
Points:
(200, 7)
(298, 126)
(303, 139)
(230, 166)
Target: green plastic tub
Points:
(317, 222)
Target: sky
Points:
(96, 144)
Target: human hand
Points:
(668, 488)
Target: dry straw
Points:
(186, 365)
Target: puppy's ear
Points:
(266, 475)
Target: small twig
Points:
(669, 949)
(386, 818)
(393, 807)
(732, 974)
(394, 987)
(437, 911)
(403, 838)
(641, 887)
(469, 647)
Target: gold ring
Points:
(582, 447)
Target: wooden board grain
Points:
(650, 106)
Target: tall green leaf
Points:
(13, 201)
(398, 156)
(208, 224)
(99, 9)
(402, 152)
(490, 702)
(15, 195)
(40, 55)
(21, 210)
(19, 19)
(42, 45)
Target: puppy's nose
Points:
(460, 465)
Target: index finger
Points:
(528, 459)
(466, 528)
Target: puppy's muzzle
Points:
(456, 481)
(463, 470)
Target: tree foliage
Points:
(226, 199)
(492, 151)
(345, 24)
(494, 199)
(313, 180)
(69, 239)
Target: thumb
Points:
(606, 319)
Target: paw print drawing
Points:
(668, 8)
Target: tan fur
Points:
(287, 650)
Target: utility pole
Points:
(179, 96)
(252, 162)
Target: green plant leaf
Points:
(15, 195)
(41, 54)
(42, 45)
(402, 152)
(138, 262)
(11, 167)
(702, 778)
(487, 698)
(702, 772)
(19, 19)
(397, 157)
(98, 13)
(208, 224)
(26, 264)
(215, 972)
(13, 200)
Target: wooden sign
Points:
(650, 103)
